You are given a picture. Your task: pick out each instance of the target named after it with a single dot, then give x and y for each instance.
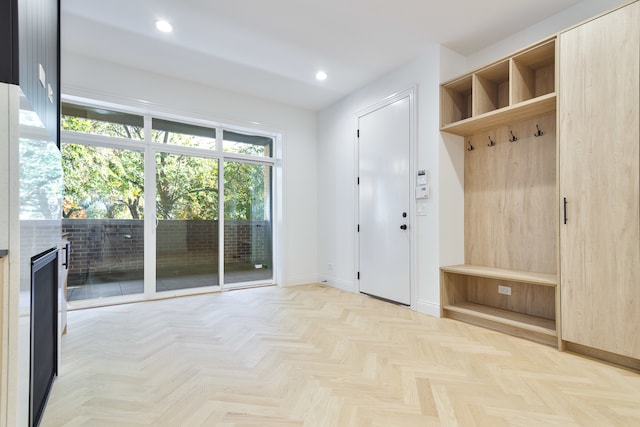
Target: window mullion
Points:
(150, 217)
(100, 141)
(264, 161)
(187, 151)
(219, 140)
(221, 237)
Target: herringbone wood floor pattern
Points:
(317, 356)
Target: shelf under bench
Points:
(511, 318)
(469, 294)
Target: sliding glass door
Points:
(103, 218)
(187, 226)
(158, 207)
(104, 205)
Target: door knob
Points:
(403, 227)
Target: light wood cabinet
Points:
(599, 156)
(510, 90)
(506, 112)
(552, 224)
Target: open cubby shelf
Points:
(470, 294)
(515, 88)
(533, 107)
(510, 201)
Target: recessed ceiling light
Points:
(164, 26)
(321, 75)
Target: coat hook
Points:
(491, 143)
(513, 137)
(470, 148)
(539, 132)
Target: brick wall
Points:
(247, 242)
(104, 246)
(116, 246)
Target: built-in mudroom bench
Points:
(552, 191)
(506, 114)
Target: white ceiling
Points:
(272, 48)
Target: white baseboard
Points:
(422, 306)
(428, 308)
(300, 280)
(336, 283)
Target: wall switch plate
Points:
(423, 192)
(504, 290)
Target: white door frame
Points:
(413, 232)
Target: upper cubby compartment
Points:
(512, 89)
(456, 100)
(533, 72)
(491, 88)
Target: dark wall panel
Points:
(39, 45)
(9, 41)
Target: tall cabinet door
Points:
(599, 152)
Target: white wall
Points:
(337, 196)
(582, 11)
(108, 82)
(451, 196)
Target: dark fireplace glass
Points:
(44, 329)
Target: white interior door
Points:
(384, 201)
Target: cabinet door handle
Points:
(565, 210)
(66, 248)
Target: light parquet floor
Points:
(317, 356)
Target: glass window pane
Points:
(256, 145)
(103, 211)
(187, 231)
(247, 226)
(167, 132)
(99, 121)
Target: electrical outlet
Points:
(330, 267)
(504, 290)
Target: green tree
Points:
(109, 183)
(40, 179)
(98, 127)
(102, 182)
(186, 187)
(244, 197)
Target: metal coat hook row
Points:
(470, 148)
(538, 132)
(491, 142)
(513, 137)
